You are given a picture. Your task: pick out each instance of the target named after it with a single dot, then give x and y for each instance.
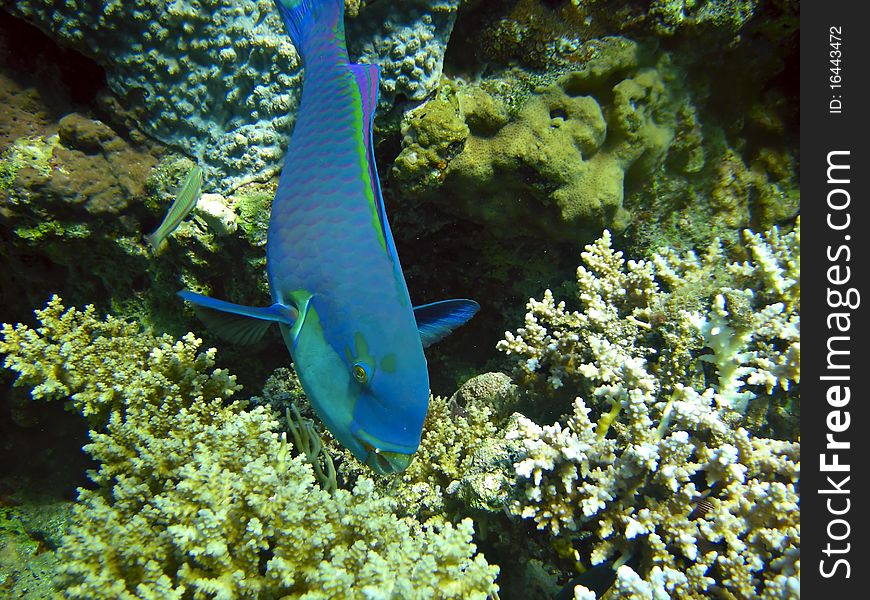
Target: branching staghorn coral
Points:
(648, 311)
(109, 365)
(599, 351)
(228, 520)
(708, 506)
(198, 498)
(646, 466)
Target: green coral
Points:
(28, 534)
(34, 153)
(669, 16)
(198, 498)
(432, 136)
(253, 203)
(52, 229)
(558, 165)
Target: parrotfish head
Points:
(370, 388)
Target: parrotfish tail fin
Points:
(437, 320)
(235, 322)
(306, 18)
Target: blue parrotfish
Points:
(339, 294)
(187, 197)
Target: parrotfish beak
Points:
(379, 459)
(387, 463)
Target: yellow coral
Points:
(105, 365)
(224, 520)
(559, 162)
(193, 498)
(454, 436)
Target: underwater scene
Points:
(220, 381)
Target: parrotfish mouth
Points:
(384, 462)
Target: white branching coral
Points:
(752, 324)
(597, 348)
(691, 495)
(645, 465)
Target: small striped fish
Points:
(188, 196)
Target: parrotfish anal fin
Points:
(235, 322)
(437, 320)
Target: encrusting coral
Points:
(646, 466)
(197, 497)
(558, 162)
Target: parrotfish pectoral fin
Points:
(437, 320)
(235, 322)
(301, 301)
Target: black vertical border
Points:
(824, 130)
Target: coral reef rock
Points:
(219, 80)
(408, 44)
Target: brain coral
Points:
(408, 43)
(219, 79)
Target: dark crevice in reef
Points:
(40, 443)
(63, 78)
(41, 457)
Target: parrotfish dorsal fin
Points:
(235, 322)
(437, 320)
(368, 80)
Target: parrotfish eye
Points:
(361, 372)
